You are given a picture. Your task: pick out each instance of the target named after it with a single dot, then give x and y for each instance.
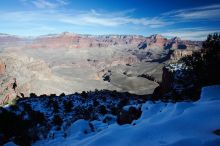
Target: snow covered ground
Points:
(161, 124)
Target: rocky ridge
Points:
(72, 40)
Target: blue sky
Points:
(188, 19)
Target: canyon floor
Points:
(69, 70)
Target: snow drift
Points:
(161, 124)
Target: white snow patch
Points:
(210, 93)
(10, 144)
(176, 66)
(161, 124)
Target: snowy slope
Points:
(161, 124)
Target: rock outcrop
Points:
(157, 41)
(177, 84)
(21, 77)
(178, 54)
(166, 84)
(8, 91)
(159, 48)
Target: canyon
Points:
(69, 63)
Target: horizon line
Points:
(88, 34)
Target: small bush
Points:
(62, 95)
(43, 96)
(27, 107)
(53, 95)
(57, 120)
(55, 106)
(104, 99)
(84, 95)
(36, 117)
(68, 105)
(33, 95)
(102, 110)
(123, 101)
(114, 110)
(126, 117)
(95, 103)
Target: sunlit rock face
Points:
(157, 41)
(71, 40)
(178, 54)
